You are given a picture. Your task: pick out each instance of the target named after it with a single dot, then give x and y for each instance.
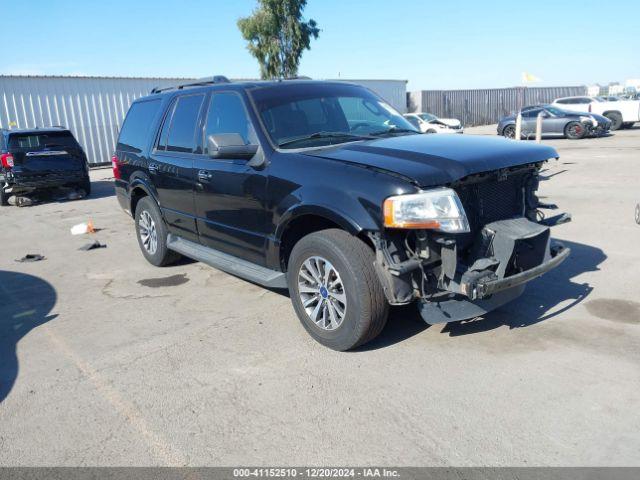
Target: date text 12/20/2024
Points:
(368, 472)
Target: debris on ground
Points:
(31, 257)
(82, 228)
(92, 246)
(21, 201)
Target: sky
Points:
(434, 44)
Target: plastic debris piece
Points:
(92, 246)
(82, 228)
(31, 257)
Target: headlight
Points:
(588, 120)
(438, 209)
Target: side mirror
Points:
(229, 145)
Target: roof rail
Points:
(297, 77)
(195, 83)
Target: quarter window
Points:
(134, 135)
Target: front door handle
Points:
(153, 168)
(204, 175)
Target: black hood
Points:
(432, 160)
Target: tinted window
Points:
(40, 141)
(181, 136)
(531, 113)
(134, 134)
(564, 101)
(227, 115)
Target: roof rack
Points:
(196, 83)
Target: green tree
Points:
(277, 34)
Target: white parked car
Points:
(622, 113)
(428, 123)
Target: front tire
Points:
(151, 232)
(335, 290)
(616, 120)
(574, 131)
(4, 198)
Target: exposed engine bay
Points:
(464, 275)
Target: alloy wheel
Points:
(148, 232)
(322, 293)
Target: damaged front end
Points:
(462, 270)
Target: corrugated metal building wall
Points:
(93, 108)
(484, 107)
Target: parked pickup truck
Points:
(622, 113)
(39, 159)
(326, 190)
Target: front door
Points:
(172, 162)
(231, 194)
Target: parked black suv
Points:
(324, 189)
(41, 159)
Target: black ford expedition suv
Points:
(326, 190)
(41, 159)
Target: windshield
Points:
(310, 115)
(427, 117)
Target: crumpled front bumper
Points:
(507, 255)
(486, 288)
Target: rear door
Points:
(172, 161)
(45, 154)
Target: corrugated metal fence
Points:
(92, 108)
(484, 107)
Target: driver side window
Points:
(227, 114)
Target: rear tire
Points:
(574, 131)
(430, 131)
(347, 306)
(151, 232)
(616, 120)
(509, 131)
(86, 186)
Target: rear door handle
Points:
(153, 168)
(204, 175)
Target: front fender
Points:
(353, 214)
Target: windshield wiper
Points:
(393, 130)
(318, 135)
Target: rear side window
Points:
(40, 141)
(178, 131)
(532, 113)
(134, 134)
